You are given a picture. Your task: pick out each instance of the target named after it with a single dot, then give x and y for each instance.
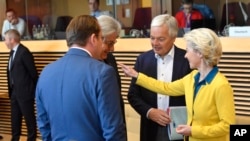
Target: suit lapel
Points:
(12, 63)
(153, 65)
(152, 71)
(177, 66)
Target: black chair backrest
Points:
(62, 23)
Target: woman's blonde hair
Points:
(207, 43)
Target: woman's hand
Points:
(184, 130)
(128, 70)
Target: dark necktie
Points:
(10, 64)
(11, 58)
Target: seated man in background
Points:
(13, 22)
(185, 16)
(94, 9)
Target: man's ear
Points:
(93, 39)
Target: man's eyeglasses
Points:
(108, 43)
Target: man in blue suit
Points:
(165, 62)
(77, 96)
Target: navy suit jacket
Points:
(112, 62)
(78, 99)
(142, 99)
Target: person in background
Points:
(164, 62)
(22, 78)
(209, 95)
(77, 96)
(185, 16)
(110, 32)
(13, 22)
(94, 9)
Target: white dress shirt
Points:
(164, 73)
(14, 53)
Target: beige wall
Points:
(69, 7)
(146, 3)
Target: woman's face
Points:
(108, 44)
(193, 56)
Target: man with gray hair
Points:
(110, 32)
(165, 62)
(22, 78)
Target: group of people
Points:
(78, 97)
(89, 105)
(208, 94)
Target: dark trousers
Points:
(162, 134)
(19, 110)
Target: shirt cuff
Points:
(148, 112)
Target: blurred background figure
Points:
(13, 22)
(94, 9)
(187, 14)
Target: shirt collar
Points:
(170, 53)
(96, 13)
(15, 48)
(210, 76)
(82, 49)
